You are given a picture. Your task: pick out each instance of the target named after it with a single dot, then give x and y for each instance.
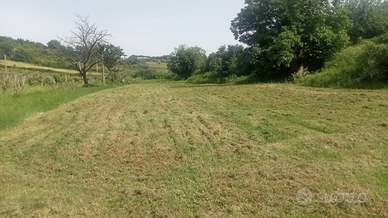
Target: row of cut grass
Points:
(179, 150)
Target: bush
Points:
(252, 79)
(6, 85)
(149, 74)
(374, 63)
(212, 77)
(48, 80)
(209, 77)
(34, 80)
(363, 65)
(146, 74)
(59, 78)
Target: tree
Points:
(283, 36)
(81, 49)
(54, 44)
(222, 62)
(369, 17)
(111, 56)
(23, 55)
(5, 47)
(184, 61)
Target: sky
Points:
(140, 27)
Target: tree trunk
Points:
(86, 83)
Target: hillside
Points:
(177, 150)
(357, 66)
(26, 51)
(32, 53)
(17, 66)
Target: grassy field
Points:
(157, 66)
(31, 66)
(178, 150)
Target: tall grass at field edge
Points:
(344, 70)
(17, 106)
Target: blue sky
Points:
(142, 27)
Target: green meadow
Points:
(181, 150)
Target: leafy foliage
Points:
(208, 77)
(31, 52)
(184, 61)
(284, 35)
(369, 17)
(224, 61)
(374, 61)
(364, 65)
(153, 74)
(112, 58)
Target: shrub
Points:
(48, 80)
(5, 85)
(374, 63)
(208, 77)
(149, 74)
(146, 74)
(252, 79)
(363, 65)
(59, 78)
(34, 80)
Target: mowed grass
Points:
(17, 106)
(178, 150)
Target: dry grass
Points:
(157, 66)
(31, 66)
(176, 150)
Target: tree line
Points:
(280, 37)
(82, 51)
(26, 51)
(284, 37)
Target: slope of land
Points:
(16, 106)
(348, 69)
(31, 66)
(175, 150)
(157, 66)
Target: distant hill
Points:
(36, 53)
(26, 51)
(20, 66)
